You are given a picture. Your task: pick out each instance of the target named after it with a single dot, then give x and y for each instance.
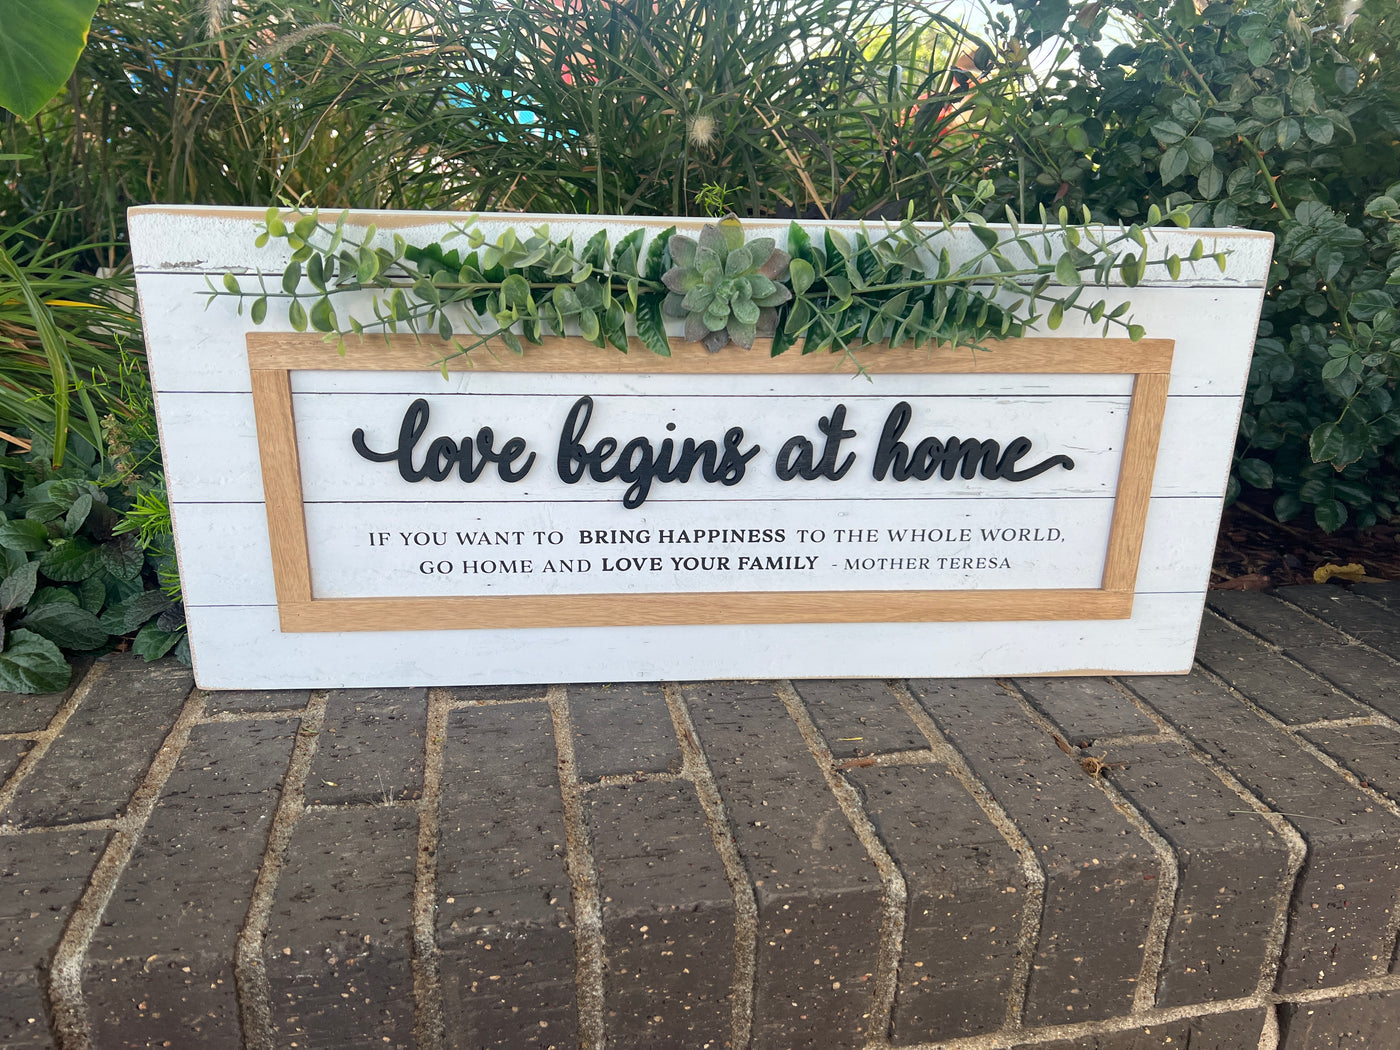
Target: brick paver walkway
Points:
(1209, 861)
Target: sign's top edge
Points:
(386, 219)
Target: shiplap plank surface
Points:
(200, 370)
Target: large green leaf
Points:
(39, 47)
(31, 664)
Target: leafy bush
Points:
(71, 579)
(1280, 115)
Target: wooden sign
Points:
(577, 514)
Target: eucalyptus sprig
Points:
(895, 286)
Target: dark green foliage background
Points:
(1276, 115)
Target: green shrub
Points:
(1278, 115)
(69, 579)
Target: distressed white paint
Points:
(231, 566)
(264, 658)
(199, 367)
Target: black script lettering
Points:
(795, 457)
(639, 463)
(443, 452)
(894, 458)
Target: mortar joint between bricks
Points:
(249, 971)
(1031, 871)
(1078, 1033)
(1374, 718)
(623, 779)
(1378, 797)
(465, 705)
(1378, 720)
(430, 1027)
(1350, 638)
(1293, 839)
(887, 962)
(71, 1024)
(1307, 746)
(696, 768)
(1169, 870)
(589, 949)
(43, 739)
(1298, 667)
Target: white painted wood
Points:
(202, 240)
(1088, 429)
(207, 350)
(1159, 639)
(230, 564)
(218, 460)
(432, 550)
(199, 366)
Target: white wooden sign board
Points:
(580, 515)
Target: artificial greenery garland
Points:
(898, 288)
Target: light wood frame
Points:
(272, 357)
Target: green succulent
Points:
(726, 290)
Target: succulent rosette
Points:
(727, 290)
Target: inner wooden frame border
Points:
(272, 357)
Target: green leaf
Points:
(1066, 272)
(1257, 472)
(1335, 367)
(151, 643)
(122, 557)
(24, 535)
(595, 252)
(588, 325)
(67, 626)
(987, 236)
(656, 254)
(259, 310)
(1267, 107)
(18, 587)
(366, 265)
(800, 245)
(296, 314)
(633, 241)
(291, 278)
(77, 514)
(801, 273)
(1199, 151)
(1168, 132)
(1330, 515)
(323, 315)
(39, 47)
(69, 561)
(1210, 182)
(651, 329)
(132, 612)
(1325, 442)
(32, 664)
(1173, 163)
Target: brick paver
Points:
(1065, 864)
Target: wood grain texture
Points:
(1135, 474)
(570, 354)
(281, 471)
(662, 610)
(272, 357)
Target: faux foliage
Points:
(897, 285)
